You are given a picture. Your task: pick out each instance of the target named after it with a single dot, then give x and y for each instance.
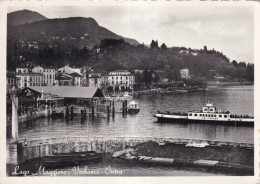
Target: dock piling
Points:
(93, 111)
(113, 109)
(71, 110)
(108, 112)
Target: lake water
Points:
(236, 99)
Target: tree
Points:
(154, 44)
(234, 62)
(205, 48)
(163, 46)
(250, 72)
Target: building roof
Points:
(63, 76)
(120, 71)
(75, 74)
(69, 92)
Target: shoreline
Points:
(238, 160)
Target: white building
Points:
(29, 79)
(49, 74)
(67, 69)
(121, 79)
(185, 73)
(21, 70)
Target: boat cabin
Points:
(209, 112)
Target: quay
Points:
(31, 149)
(52, 101)
(24, 151)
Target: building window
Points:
(112, 82)
(121, 82)
(121, 78)
(126, 78)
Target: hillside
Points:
(23, 17)
(75, 31)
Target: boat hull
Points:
(216, 122)
(133, 111)
(63, 160)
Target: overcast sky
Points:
(226, 29)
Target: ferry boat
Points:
(133, 107)
(209, 114)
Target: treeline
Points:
(113, 54)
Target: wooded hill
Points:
(113, 54)
(82, 42)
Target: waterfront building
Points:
(121, 80)
(73, 79)
(64, 79)
(11, 81)
(185, 73)
(37, 69)
(71, 95)
(93, 79)
(104, 80)
(29, 79)
(76, 78)
(49, 74)
(67, 69)
(21, 70)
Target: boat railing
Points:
(173, 113)
(240, 116)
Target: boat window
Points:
(190, 114)
(220, 116)
(225, 116)
(200, 114)
(215, 116)
(195, 114)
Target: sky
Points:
(229, 29)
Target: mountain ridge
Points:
(84, 30)
(24, 17)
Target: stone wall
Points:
(38, 148)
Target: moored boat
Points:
(70, 159)
(209, 114)
(133, 107)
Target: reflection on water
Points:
(238, 100)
